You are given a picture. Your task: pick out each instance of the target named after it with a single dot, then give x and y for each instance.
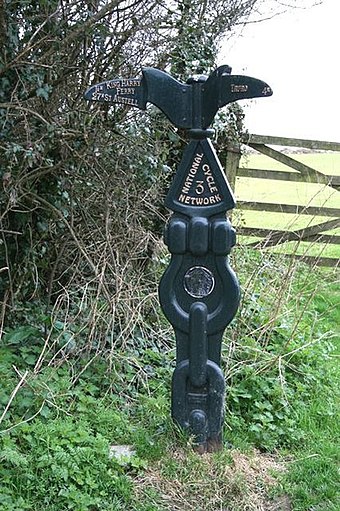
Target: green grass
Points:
(328, 163)
(283, 221)
(284, 192)
(281, 426)
(313, 479)
(301, 248)
(310, 249)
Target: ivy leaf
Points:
(43, 92)
(20, 334)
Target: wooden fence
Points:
(303, 173)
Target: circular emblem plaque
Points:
(199, 282)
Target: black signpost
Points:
(199, 293)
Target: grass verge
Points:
(281, 430)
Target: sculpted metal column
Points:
(199, 292)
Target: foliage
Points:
(280, 337)
(58, 421)
(66, 458)
(57, 432)
(83, 186)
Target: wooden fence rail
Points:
(301, 173)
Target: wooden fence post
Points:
(232, 162)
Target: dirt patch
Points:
(227, 481)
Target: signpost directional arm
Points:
(157, 87)
(131, 92)
(222, 88)
(236, 87)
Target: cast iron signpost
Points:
(199, 292)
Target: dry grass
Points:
(228, 481)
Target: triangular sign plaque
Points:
(200, 186)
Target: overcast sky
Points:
(298, 55)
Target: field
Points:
(282, 192)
